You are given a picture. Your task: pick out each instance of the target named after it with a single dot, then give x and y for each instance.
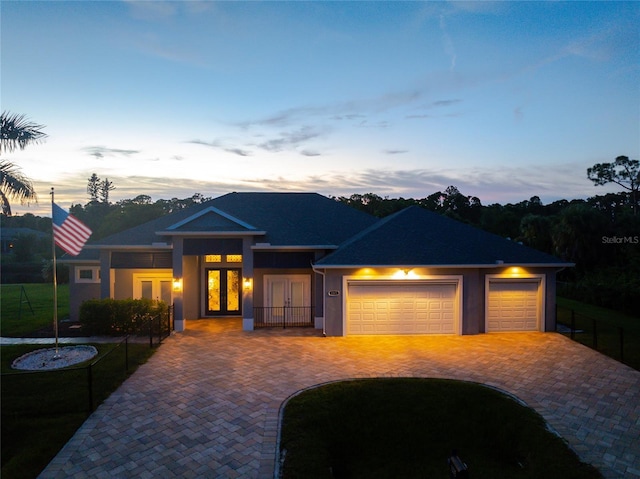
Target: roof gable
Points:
(418, 237)
(211, 219)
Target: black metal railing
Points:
(283, 317)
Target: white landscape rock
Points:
(44, 359)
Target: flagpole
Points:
(55, 282)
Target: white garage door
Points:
(513, 306)
(401, 308)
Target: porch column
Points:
(105, 274)
(178, 311)
(247, 284)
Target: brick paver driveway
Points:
(207, 403)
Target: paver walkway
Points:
(206, 405)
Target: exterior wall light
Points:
(247, 283)
(515, 271)
(404, 273)
(177, 285)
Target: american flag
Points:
(69, 232)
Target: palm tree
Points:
(15, 186)
(16, 131)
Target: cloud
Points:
(217, 144)
(435, 105)
(291, 139)
(151, 10)
(449, 48)
(101, 152)
(518, 113)
(395, 152)
(310, 153)
(600, 45)
(377, 124)
(162, 10)
(351, 116)
(491, 184)
(358, 109)
(498, 184)
(443, 103)
(238, 151)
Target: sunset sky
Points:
(504, 100)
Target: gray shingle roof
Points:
(289, 219)
(417, 237)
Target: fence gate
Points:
(283, 317)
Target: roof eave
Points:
(211, 233)
(459, 266)
(131, 247)
(77, 261)
(260, 247)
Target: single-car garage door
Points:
(401, 308)
(513, 306)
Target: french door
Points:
(288, 295)
(223, 292)
(152, 286)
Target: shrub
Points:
(121, 316)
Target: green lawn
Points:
(381, 428)
(608, 324)
(41, 411)
(16, 317)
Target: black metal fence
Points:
(160, 326)
(80, 388)
(283, 317)
(605, 336)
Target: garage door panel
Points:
(401, 309)
(513, 306)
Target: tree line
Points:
(601, 234)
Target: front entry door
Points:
(224, 292)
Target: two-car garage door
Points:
(399, 307)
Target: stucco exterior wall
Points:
(191, 286)
(80, 292)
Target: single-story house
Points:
(306, 258)
(10, 236)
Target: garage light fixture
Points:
(177, 284)
(405, 273)
(515, 271)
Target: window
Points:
(217, 258)
(88, 274)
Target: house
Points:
(10, 236)
(303, 257)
